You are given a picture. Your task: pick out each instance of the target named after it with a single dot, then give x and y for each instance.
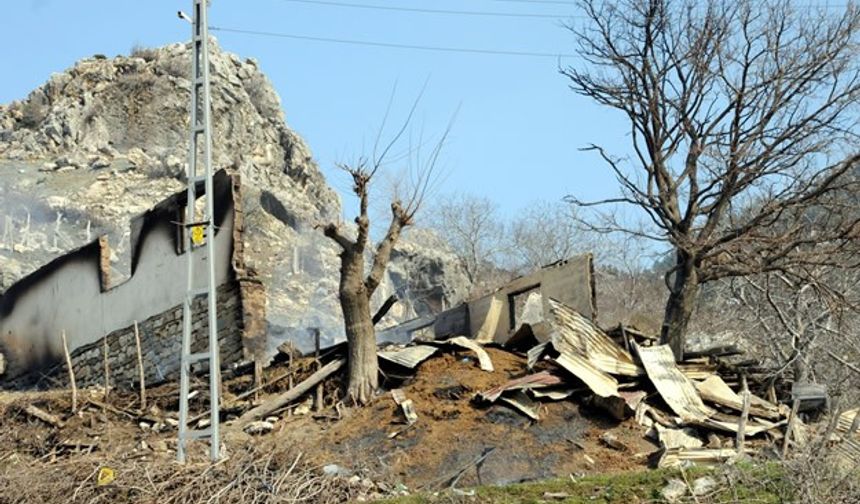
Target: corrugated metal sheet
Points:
(410, 356)
(483, 357)
(579, 335)
(675, 388)
(599, 382)
(537, 380)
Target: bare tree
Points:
(358, 285)
(544, 233)
(471, 226)
(629, 285)
(743, 120)
(802, 320)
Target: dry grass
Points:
(245, 477)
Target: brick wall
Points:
(161, 340)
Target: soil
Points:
(453, 432)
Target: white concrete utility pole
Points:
(199, 232)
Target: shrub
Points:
(146, 53)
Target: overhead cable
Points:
(498, 52)
(352, 5)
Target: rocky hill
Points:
(107, 138)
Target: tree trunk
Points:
(679, 307)
(360, 335)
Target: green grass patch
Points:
(759, 483)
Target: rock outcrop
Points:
(106, 139)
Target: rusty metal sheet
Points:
(409, 356)
(730, 423)
(697, 370)
(535, 354)
(846, 419)
(532, 381)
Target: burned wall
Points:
(160, 341)
(70, 294)
(492, 318)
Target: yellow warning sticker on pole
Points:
(198, 235)
(106, 476)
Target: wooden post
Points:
(626, 339)
(290, 382)
(258, 378)
(107, 368)
(792, 417)
(771, 392)
(318, 406)
(71, 372)
(141, 373)
(855, 424)
(742, 423)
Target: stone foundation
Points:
(161, 341)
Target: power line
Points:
(332, 3)
(469, 50)
(547, 2)
(352, 5)
(825, 5)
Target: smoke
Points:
(34, 229)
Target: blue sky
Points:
(518, 129)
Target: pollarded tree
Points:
(357, 285)
(743, 120)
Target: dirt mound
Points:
(454, 436)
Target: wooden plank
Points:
(43, 415)
(715, 390)
(717, 351)
(383, 310)
(294, 393)
(745, 411)
(705, 456)
(140, 370)
(792, 418)
(71, 371)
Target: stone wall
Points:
(161, 340)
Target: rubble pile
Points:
(709, 408)
(560, 397)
